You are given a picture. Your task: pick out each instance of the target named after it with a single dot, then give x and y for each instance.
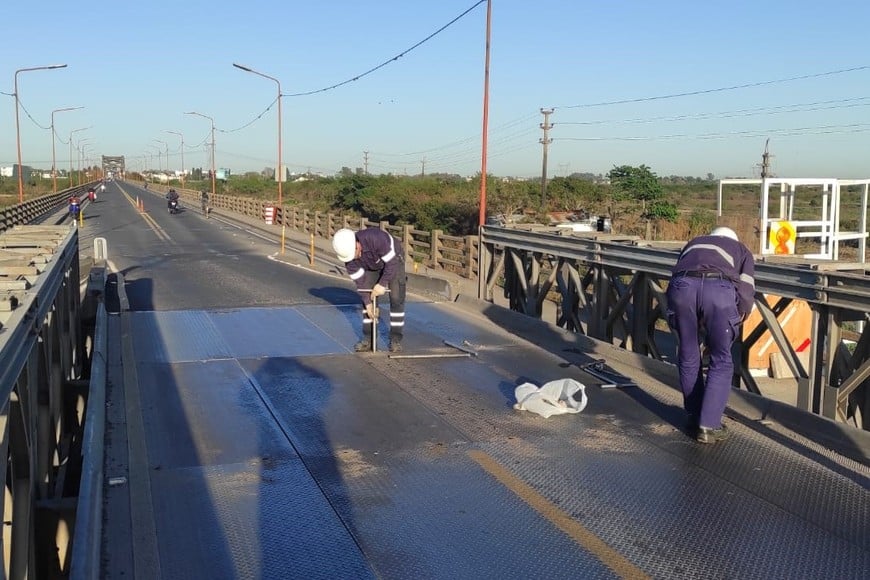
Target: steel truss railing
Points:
(42, 358)
(615, 292)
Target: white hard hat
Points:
(344, 244)
(723, 231)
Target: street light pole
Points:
(182, 154)
(53, 166)
(482, 213)
(159, 154)
(166, 145)
(80, 151)
(280, 171)
(17, 125)
(70, 152)
(212, 149)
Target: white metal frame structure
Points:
(826, 229)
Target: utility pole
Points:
(545, 141)
(423, 166)
(366, 162)
(765, 161)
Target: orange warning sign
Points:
(782, 237)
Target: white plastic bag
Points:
(553, 398)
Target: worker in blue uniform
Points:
(374, 261)
(711, 292)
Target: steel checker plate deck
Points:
(401, 480)
(434, 323)
(675, 520)
(179, 336)
(205, 413)
(176, 336)
(276, 332)
(387, 442)
(810, 493)
(250, 520)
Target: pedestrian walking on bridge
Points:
(711, 292)
(374, 261)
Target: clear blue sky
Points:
(138, 67)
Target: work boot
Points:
(707, 435)
(395, 345)
(363, 345)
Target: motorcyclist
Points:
(172, 197)
(74, 206)
(92, 194)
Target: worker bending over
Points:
(375, 261)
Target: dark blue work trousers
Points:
(398, 288)
(704, 309)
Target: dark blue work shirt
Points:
(381, 253)
(721, 254)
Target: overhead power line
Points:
(776, 110)
(717, 90)
(818, 130)
(252, 121)
(388, 61)
(29, 116)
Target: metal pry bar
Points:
(598, 369)
(374, 318)
(470, 351)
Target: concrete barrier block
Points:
(433, 286)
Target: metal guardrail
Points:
(27, 212)
(42, 357)
(87, 535)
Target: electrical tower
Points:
(366, 162)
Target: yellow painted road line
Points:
(160, 232)
(583, 537)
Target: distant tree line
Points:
(633, 197)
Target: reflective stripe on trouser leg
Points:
(366, 326)
(397, 324)
(397, 302)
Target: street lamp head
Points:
(244, 68)
(67, 109)
(48, 67)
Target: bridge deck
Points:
(260, 446)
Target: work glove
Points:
(378, 290)
(371, 311)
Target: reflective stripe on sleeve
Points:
(392, 253)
